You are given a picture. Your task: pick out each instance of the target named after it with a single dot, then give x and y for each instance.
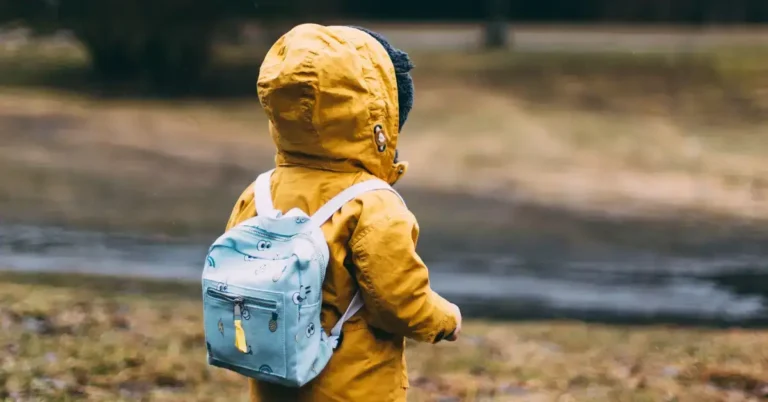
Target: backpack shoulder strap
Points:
(323, 214)
(326, 211)
(262, 192)
(354, 306)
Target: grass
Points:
(637, 135)
(111, 339)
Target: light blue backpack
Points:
(262, 291)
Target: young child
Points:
(336, 98)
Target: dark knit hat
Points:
(403, 66)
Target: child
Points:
(336, 98)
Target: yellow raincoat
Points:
(325, 90)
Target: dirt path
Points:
(560, 38)
(590, 38)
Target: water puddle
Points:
(629, 287)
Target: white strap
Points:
(354, 306)
(323, 214)
(262, 191)
(326, 211)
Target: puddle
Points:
(632, 287)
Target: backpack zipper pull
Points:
(240, 343)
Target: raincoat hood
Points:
(331, 96)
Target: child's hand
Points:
(455, 335)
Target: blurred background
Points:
(578, 168)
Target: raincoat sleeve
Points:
(244, 208)
(393, 279)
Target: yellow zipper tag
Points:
(240, 337)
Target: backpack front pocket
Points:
(245, 333)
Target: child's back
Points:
(331, 94)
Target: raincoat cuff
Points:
(448, 326)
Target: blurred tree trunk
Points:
(162, 45)
(496, 26)
(169, 59)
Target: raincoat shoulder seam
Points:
(388, 216)
(355, 241)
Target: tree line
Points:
(167, 42)
(582, 11)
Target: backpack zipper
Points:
(254, 301)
